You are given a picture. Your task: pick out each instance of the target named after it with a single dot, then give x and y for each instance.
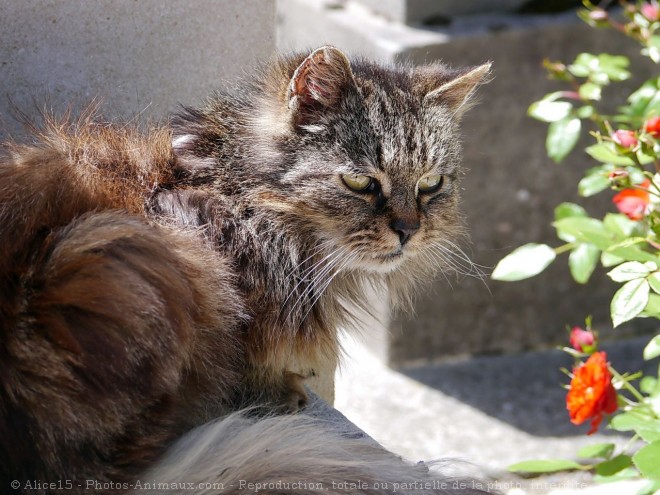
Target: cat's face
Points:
(376, 161)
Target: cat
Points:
(154, 281)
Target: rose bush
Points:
(626, 149)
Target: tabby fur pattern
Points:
(153, 281)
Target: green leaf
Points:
(652, 349)
(544, 466)
(583, 65)
(620, 224)
(614, 465)
(567, 210)
(608, 259)
(590, 91)
(599, 450)
(562, 137)
(629, 271)
(629, 250)
(596, 180)
(524, 262)
(654, 402)
(600, 69)
(647, 460)
(629, 301)
(624, 474)
(607, 153)
(652, 49)
(549, 111)
(636, 175)
(645, 101)
(649, 433)
(587, 230)
(632, 253)
(614, 66)
(630, 420)
(585, 112)
(654, 282)
(644, 159)
(582, 262)
(648, 385)
(593, 184)
(652, 308)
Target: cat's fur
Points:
(151, 282)
(289, 455)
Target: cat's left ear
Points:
(318, 84)
(456, 94)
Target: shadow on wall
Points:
(524, 390)
(510, 191)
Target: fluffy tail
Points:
(289, 455)
(101, 310)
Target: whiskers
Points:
(326, 261)
(450, 255)
(316, 279)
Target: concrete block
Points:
(510, 186)
(427, 11)
(142, 57)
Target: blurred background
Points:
(472, 374)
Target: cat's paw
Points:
(295, 396)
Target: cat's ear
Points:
(318, 84)
(456, 93)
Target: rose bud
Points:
(581, 340)
(625, 138)
(651, 11)
(618, 174)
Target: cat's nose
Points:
(405, 227)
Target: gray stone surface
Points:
(136, 57)
(510, 186)
(420, 11)
(480, 415)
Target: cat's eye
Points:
(359, 183)
(430, 183)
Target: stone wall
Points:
(138, 58)
(428, 11)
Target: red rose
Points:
(591, 393)
(625, 138)
(581, 339)
(652, 126)
(634, 202)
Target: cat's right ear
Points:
(318, 84)
(457, 88)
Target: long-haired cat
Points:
(152, 282)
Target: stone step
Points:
(481, 414)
